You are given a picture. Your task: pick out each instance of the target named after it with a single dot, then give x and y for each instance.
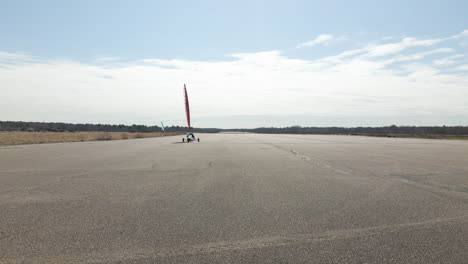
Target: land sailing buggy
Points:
(190, 135)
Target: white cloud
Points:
(392, 48)
(418, 56)
(107, 59)
(463, 34)
(379, 50)
(462, 68)
(319, 40)
(447, 61)
(354, 85)
(8, 57)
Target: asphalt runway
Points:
(236, 198)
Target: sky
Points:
(245, 63)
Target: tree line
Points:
(68, 127)
(386, 130)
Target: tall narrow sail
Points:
(187, 107)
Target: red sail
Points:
(187, 107)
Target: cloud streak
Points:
(319, 40)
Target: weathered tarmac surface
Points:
(236, 198)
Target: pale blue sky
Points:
(208, 30)
(271, 63)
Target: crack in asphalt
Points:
(253, 243)
(308, 158)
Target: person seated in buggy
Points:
(190, 137)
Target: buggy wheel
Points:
(183, 139)
(198, 139)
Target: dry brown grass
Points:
(20, 137)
